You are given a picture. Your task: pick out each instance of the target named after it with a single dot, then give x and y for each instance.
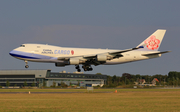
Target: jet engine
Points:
(101, 57)
(74, 61)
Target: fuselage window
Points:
(22, 45)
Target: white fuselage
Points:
(51, 54)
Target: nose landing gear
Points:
(26, 66)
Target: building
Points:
(154, 81)
(48, 78)
(142, 81)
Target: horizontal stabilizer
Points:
(150, 54)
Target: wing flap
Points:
(89, 56)
(63, 58)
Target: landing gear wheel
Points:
(90, 69)
(77, 67)
(87, 67)
(26, 66)
(79, 70)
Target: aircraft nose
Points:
(11, 53)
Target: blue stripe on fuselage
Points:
(20, 54)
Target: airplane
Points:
(63, 56)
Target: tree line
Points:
(129, 79)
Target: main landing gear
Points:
(85, 67)
(26, 66)
(78, 68)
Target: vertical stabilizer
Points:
(153, 42)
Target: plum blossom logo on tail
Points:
(72, 52)
(152, 43)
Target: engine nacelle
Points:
(101, 57)
(74, 61)
(60, 64)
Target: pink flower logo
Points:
(152, 43)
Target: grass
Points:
(126, 100)
(84, 90)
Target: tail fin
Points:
(153, 42)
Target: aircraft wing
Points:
(114, 54)
(98, 59)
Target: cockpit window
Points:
(22, 45)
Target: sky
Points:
(112, 24)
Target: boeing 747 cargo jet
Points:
(63, 56)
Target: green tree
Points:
(25, 84)
(109, 80)
(54, 84)
(7, 83)
(127, 81)
(172, 74)
(33, 84)
(157, 83)
(167, 81)
(114, 79)
(120, 83)
(15, 85)
(132, 81)
(174, 81)
(70, 84)
(78, 83)
(63, 84)
(138, 76)
(177, 81)
(98, 74)
(44, 83)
